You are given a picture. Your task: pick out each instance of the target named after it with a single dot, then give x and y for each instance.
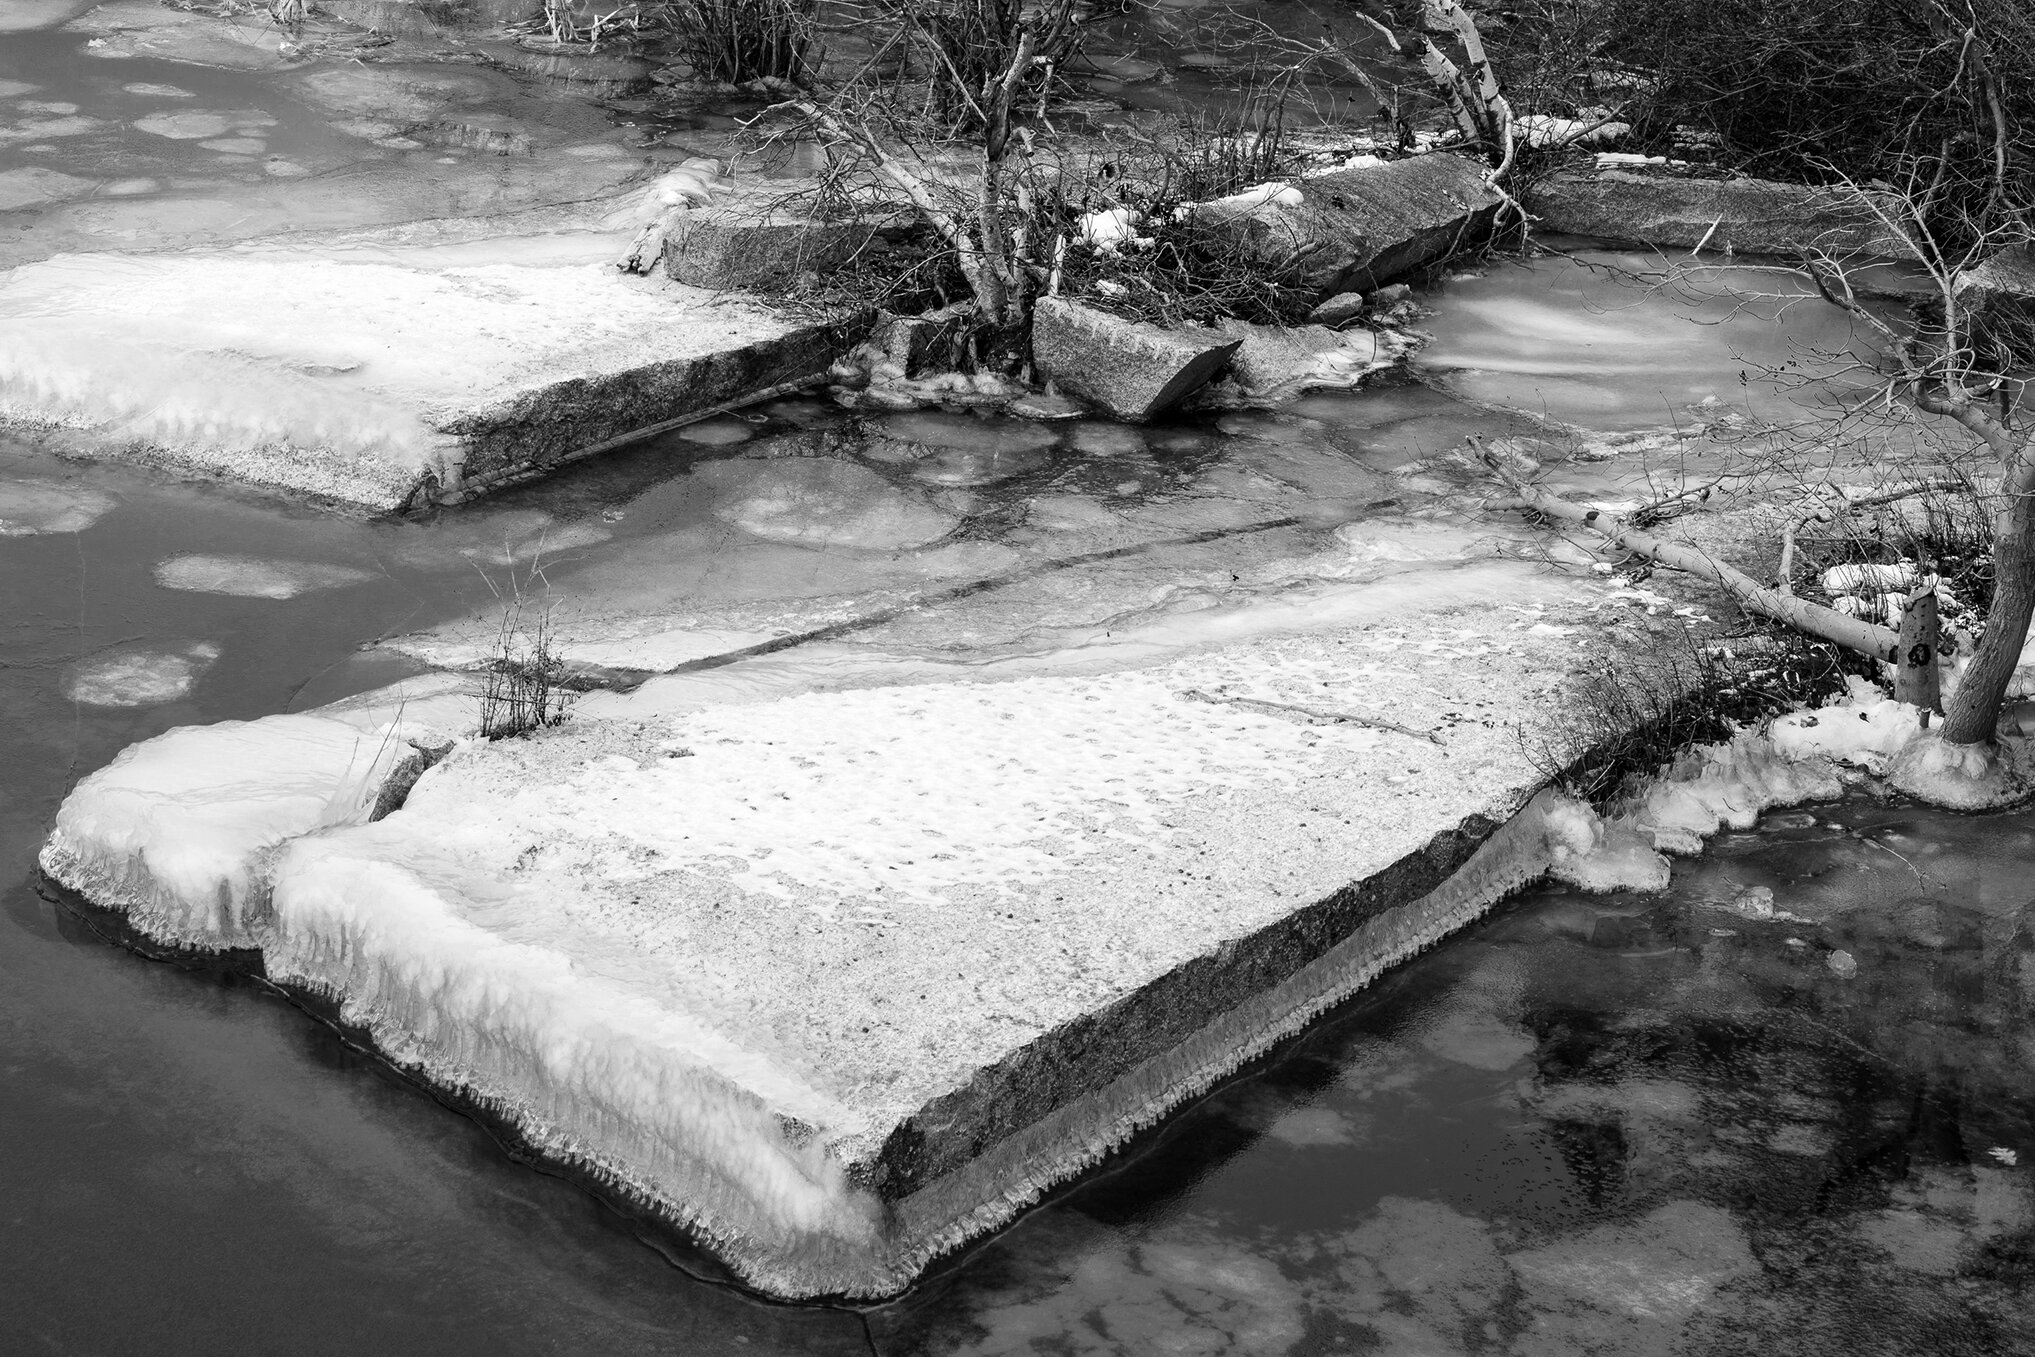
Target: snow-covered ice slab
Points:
(178, 833)
(842, 980)
(375, 375)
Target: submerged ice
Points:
(29, 508)
(139, 677)
(253, 577)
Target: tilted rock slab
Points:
(842, 980)
(1132, 370)
(759, 249)
(380, 376)
(1358, 228)
(1749, 216)
(2004, 279)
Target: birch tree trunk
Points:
(1975, 707)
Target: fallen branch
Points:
(1313, 716)
(1881, 643)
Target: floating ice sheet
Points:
(253, 577)
(139, 677)
(821, 502)
(30, 508)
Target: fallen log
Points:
(1881, 643)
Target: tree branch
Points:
(1881, 643)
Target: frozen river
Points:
(1630, 1124)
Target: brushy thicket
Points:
(737, 41)
(732, 42)
(1933, 96)
(1179, 269)
(1660, 700)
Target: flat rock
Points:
(380, 377)
(1340, 309)
(1357, 228)
(1749, 216)
(1130, 369)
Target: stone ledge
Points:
(1749, 216)
(379, 376)
(867, 1130)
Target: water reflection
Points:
(1626, 1124)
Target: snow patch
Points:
(1867, 577)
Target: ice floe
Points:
(973, 466)
(965, 431)
(254, 577)
(717, 433)
(139, 677)
(31, 508)
(821, 502)
(192, 125)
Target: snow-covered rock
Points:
(177, 832)
(1353, 229)
(783, 966)
(375, 376)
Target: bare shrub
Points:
(1629, 720)
(1869, 89)
(523, 686)
(1218, 151)
(739, 41)
(964, 49)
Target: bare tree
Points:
(1943, 362)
